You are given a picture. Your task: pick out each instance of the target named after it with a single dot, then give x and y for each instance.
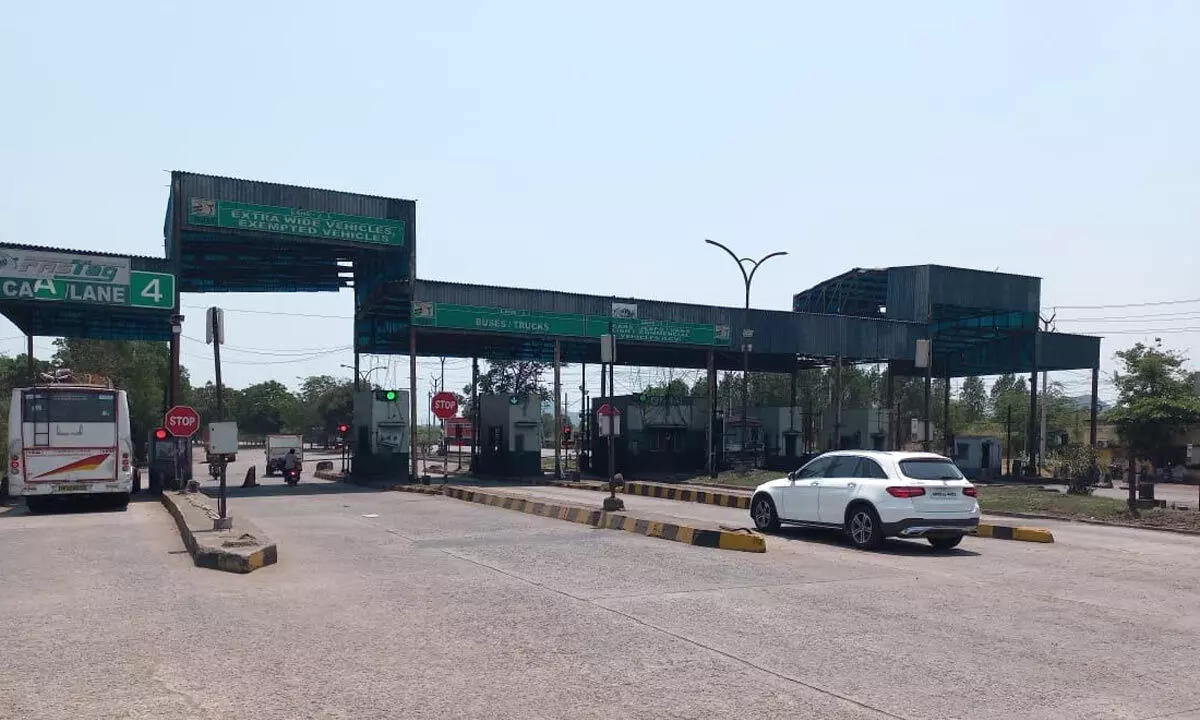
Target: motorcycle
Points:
(291, 477)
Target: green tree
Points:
(1010, 399)
(264, 408)
(510, 377)
(1155, 401)
(974, 398)
(138, 368)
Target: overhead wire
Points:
(1158, 303)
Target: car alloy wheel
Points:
(764, 515)
(863, 528)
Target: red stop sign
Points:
(182, 421)
(445, 405)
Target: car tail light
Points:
(970, 492)
(906, 492)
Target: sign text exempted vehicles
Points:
(872, 496)
(68, 439)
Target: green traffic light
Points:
(391, 395)
(514, 400)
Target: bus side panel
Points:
(16, 446)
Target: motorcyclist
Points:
(290, 461)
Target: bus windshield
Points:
(70, 406)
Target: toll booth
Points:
(510, 440)
(381, 434)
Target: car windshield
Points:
(930, 469)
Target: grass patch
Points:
(746, 479)
(1036, 501)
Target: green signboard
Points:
(524, 322)
(86, 279)
(206, 212)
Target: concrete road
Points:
(390, 605)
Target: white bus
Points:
(68, 438)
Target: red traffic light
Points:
(343, 428)
(161, 434)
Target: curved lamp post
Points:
(747, 334)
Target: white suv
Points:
(873, 495)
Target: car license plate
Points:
(944, 494)
(72, 487)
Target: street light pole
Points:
(361, 377)
(747, 334)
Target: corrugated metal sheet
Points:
(991, 291)
(908, 293)
(1061, 351)
(564, 302)
(293, 196)
(828, 336)
(775, 331)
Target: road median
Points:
(682, 493)
(243, 548)
(666, 528)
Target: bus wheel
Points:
(121, 501)
(37, 505)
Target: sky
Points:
(593, 147)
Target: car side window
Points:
(868, 468)
(815, 469)
(844, 466)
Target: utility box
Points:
(381, 434)
(510, 435)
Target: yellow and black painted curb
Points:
(724, 539)
(1007, 532)
(420, 489)
(669, 492)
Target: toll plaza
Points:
(233, 235)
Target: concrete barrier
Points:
(242, 549)
(720, 537)
(684, 493)
(1008, 532)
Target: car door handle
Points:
(850, 485)
(815, 482)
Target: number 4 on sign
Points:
(153, 291)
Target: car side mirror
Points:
(792, 476)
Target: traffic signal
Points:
(160, 434)
(343, 428)
(566, 434)
(642, 397)
(387, 395)
(514, 400)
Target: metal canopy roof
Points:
(488, 321)
(62, 318)
(980, 323)
(226, 234)
(233, 235)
